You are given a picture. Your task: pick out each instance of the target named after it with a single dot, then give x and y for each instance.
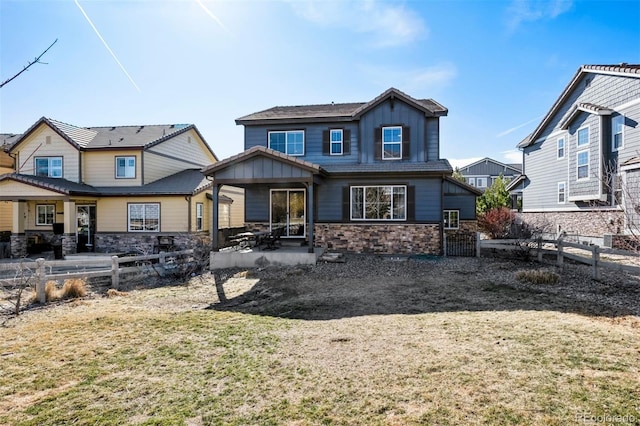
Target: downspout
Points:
(188, 198)
(442, 215)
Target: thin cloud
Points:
(413, 80)
(519, 126)
(462, 162)
(214, 17)
(512, 156)
(521, 11)
(389, 25)
(107, 46)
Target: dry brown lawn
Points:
(372, 341)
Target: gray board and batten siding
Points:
(263, 169)
(489, 167)
(456, 197)
(544, 170)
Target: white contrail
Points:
(107, 46)
(513, 129)
(214, 17)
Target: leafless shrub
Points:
(12, 291)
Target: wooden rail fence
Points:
(112, 265)
(558, 247)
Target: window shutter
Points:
(411, 203)
(406, 142)
(377, 146)
(326, 142)
(346, 204)
(346, 143)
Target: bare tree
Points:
(13, 291)
(35, 61)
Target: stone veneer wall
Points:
(465, 226)
(586, 223)
(393, 238)
(145, 242)
(18, 245)
(69, 244)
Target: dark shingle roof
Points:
(62, 186)
(337, 112)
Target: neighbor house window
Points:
(336, 142)
(45, 214)
(49, 166)
(125, 167)
(617, 124)
(451, 219)
(560, 147)
(199, 216)
(562, 193)
(379, 202)
(392, 143)
(144, 217)
(583, 165)
(471, 181)
(290, 142)
(481, 182)
(583, 136)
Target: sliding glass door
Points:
(288, 211)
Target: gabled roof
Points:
(265, 152)
(112, 137)
(625, 70)
(516, 167)
(464, 185)
(339, 112)
(6, 140)
(583, 107)
(515, 182)
(63, 186)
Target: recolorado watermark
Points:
(588, 418)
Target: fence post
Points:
(596, 260)
(477, 244)
(560, 253)
(115, 275)
(539, 249)
(163, 263)
(444, 243)
(41, 280)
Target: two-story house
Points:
(361, 177)
(580, 164)
(483, 173)
(111, 189)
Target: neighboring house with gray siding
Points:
(581, 160)
(483, 173)
(356, 177)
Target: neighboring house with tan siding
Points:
(6, 209)
(111, 189)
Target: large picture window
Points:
(379, 202)
(49, 166)
(617, 123)
(583, 165)
(392, 143)
(45, 214)
(125, 167)
(144, 217)
(289, 142)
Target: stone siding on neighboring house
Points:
(379, 238)
(146, 243)
(583, 223)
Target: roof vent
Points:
(139, 128)
(113, 128)
(623, 64)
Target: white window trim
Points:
(564, 193)
(53, 216)
(126, 158)
(143, 230)
(471, 181)
(199, 215)
(286, 132)
(578, 144)
(578, 165)
(481, 179)
(564, 148)
(448, 214)
(49, 168)
(394, 143)
(331, 142)
(364, 205)
(613, 149)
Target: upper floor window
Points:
(451, 219)
(336, 141)
(199, 216)
(289, 142)
(562, 192)
(560, 147)
(583, 136)
(379, 202)
(392, 143)
(471, 181)
(481, 182)
(125, 167)
(583, 165)
(617, 124)
(144, 217)
(45, 213)
(49, 166)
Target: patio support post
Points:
(214, 225)
(310, 214)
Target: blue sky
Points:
(497, 65)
